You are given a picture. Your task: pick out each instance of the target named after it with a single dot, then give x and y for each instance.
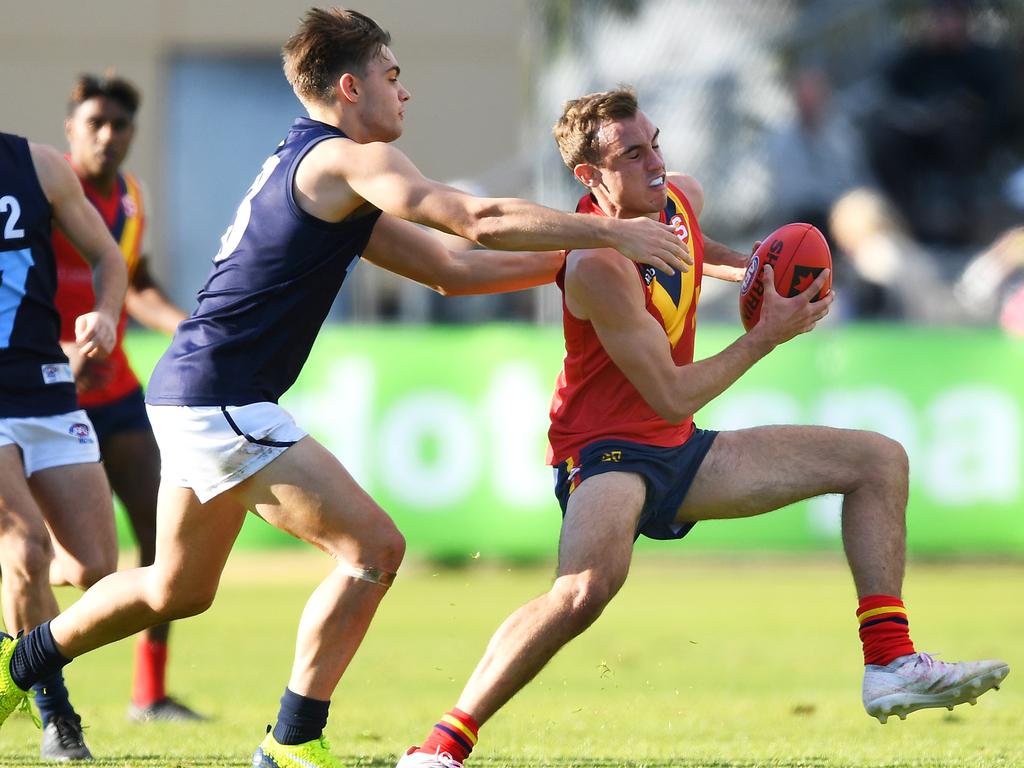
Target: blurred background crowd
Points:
(895, 126)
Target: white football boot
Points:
(414, 759)
(919, 681)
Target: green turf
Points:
(696, 663)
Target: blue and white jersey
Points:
(272, 284)
(35, 379)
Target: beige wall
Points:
(463, 60)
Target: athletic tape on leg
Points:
(371, 574)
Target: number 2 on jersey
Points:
(10, 204)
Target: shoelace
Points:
(928, 660)
(446, 759)
(924, 660)
(69, 732)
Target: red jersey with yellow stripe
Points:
(593, 399)
(122, 211)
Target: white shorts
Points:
(52, 441)
(211, 449)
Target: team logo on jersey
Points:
(648, 274)
(82, 432)
(131, 210)
(57, 373)
(679, 223)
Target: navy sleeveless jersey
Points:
(35, 379)
(272, 283)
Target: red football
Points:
(797, 253)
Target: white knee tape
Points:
(372, 575)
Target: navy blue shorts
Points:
(667, 472)
(127, 414)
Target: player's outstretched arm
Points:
(723, 263)
(89, 372)
(605, 290)
(408, 250)
(721, 272)
(148, 304)
(382, 175)
(96, 331)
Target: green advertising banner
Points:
(446, 428)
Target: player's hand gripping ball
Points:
(797, 253)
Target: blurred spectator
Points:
(991, 288)
(946, 108)
(812, 161)
(815, 159)
(894, 278)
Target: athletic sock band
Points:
(36, 658)
(300, 718)
(455, 733)
(884, 629)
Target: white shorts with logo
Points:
(211, 449)
(51, 441)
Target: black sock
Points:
(52, 698)
(300, 718)
(36, 658)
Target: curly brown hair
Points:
(577, 129)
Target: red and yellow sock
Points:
(148, 686)
(455, 733)
(884, 629)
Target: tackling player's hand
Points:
(783, 318)
(95, 334)
(646, 241)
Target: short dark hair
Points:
(109, 87)
(327, 44)
(577, 129)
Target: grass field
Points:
(696, 663)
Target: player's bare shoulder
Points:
(592, 268)
(54, 172)
(322, 187)
(597, 278)
(345, 158)
(690, 187)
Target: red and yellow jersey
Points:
(123, 213)
(593, 399)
